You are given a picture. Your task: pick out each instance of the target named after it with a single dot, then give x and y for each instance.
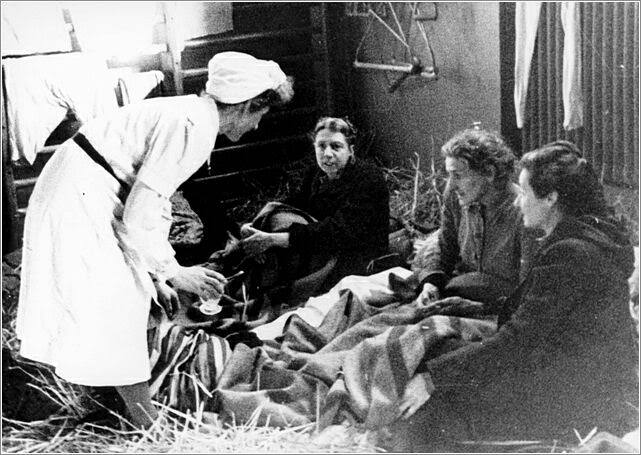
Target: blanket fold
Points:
(361, 373)
(365, 362)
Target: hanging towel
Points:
(33, 27)
(572, 93)
(121, 29)
(41, 89)
(526, 24)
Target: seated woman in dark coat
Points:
(564, 357)
(348, 200)
(480, 249)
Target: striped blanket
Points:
(355, 366)
(186, 363)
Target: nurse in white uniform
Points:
(96, 248)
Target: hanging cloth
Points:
(42, 89)
(33, 27)
(572, 89)
(526, 25)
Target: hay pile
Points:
(415, 197)
(42, 413)
(291, 178)
(177, 433)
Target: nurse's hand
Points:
(167, 297)
(246, 230)
(199, 280)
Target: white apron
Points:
(84, 304)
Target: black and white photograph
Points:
(320, 227)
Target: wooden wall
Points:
(465, 39)
(293, 35)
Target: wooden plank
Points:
(25, 183)
(319, 22)
(174, 48)
(217, 40)
(10, 226)
(213, 178)
(202, 71)
(279, 140)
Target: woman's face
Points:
(246, 121)
(332, 152)
(536, 212)
(469, 186)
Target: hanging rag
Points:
(42, 89)
(33, 27)
(526, 25)
(123, 29)
(572, 89)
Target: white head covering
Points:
(235, 77)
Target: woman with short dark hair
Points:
(347, 197)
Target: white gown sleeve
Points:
(147, 220)
(177, 147)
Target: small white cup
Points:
(211, 306)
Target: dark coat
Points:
(352, 214)
(563, 358)
(479, 256)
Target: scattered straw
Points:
(415, 201)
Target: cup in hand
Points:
(210, 306)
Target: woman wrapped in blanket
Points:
(96, 248)
(564, 357)
(349, 200)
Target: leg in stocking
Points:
(138, 401)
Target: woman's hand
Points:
(257, 242)
(246, 230)
(199, 280)
(428, 294)
(167, 297)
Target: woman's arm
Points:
(435, 264)
(256, 242)
(147, 220)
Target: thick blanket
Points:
(186, 364)
(356, 365)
